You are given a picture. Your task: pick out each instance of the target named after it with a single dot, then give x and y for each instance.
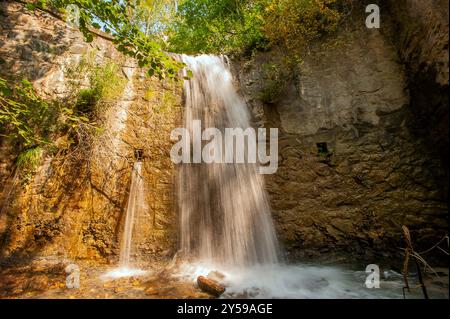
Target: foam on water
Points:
(123, 272)
(225, 216)
(299, 282)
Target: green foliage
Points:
(28, 162)
(216, 26)
(168, 99)
(146, 29)
(87, 100)
(274, 82)
(163, 96)
(28, 159)
(105, 85)
(292, 23)
(28, 120)
(105, 80)
(117, 17)
(243, 25)
(154, 16)
(25, 116)
(32, 122)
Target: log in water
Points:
(210, 286)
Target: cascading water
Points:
(225, 213)
(134, 207)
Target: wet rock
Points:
(136, 282)
(374, 166)
(210, 286)
(151, 291)
(48, 53)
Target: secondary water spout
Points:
(134, 207)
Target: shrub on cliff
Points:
(225, 26)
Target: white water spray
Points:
(225, 213)
(134, 208)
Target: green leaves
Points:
(189, 74)
(293, 23)
(29, 119)
(212, 26)
(146, 29)
(30, 6)
(117, 17)
(22, 112)
(29, 158)
(224, 26)
(26, 83)
(89, 37)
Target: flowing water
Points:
(135, 204)
(310, 281)
(134, 207)
(226, 223)
(225, 213)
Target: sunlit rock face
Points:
(355, 163)
(362, 129)
(77, 209)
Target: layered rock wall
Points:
(75, 204)
(354, 165)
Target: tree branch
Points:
(56, 15)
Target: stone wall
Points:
(375, 97)
(76, 207)
(378, 173)
(419, 31)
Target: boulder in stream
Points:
(210, 286)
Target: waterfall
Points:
(224, 210)
(134, 206)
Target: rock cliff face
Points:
(419, 31)
(363, 143)
(75, 206)
(354, 163)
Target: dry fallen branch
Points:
(409, 251)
